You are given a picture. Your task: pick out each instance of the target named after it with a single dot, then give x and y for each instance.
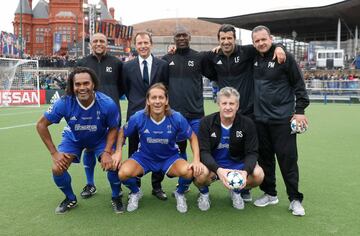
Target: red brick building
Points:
(61, 18)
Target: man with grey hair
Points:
(228, 142)
(280, 98)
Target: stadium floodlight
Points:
(19, 82)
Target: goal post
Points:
(19, 82)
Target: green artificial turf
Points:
(329, 161)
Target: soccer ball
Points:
(297, 128)
(235, 179)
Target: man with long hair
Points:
(158, 128)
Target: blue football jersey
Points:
(221, 153)
(158, 139)
(87, 126)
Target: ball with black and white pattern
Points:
(234, 179)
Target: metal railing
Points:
(334, 90)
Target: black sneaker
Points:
(65, 206)
(117, 205)
(88, 191)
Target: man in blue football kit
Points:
(92, 120)
(158, 128)
(228, 142)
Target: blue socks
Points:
(131, 184)
(89, 161)
(204, 189)
(64, 184)
(183, 185)
(115, 183)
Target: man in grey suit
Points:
(138, 75)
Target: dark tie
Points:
(145, 74)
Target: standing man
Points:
(280, 97)
(138, 74)
(108, 69)
(185, 82)
(228, 142)
(92, 123)
(232, 66)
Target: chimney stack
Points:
(105, 3)
(30, 3)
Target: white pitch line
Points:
(17, 126)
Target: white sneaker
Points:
(133, 202)
(265, 200)
(181, 205)
(237, 200)
(296, 208)
(204, 201)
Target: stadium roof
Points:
(313, 23)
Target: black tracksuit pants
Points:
(156, 177)
(276, 139)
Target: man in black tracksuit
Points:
(233, 66)
(108, 69)
(280, 97)
(228, 142)
(186, 71)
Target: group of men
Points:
(165, 109)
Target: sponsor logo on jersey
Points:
(223, 145)
(157, 140)
(191, 63)
(213, 135)
(146, 131)
(239, 134)
(219, 62)
(256, 63)
(172, 63)
(91, 128)
(73, 118)
(108, 69)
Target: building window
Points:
(39, 35)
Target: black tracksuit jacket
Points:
(108, 70)
(185, 82)
(235, 71)
(243, 144)
(279, 89)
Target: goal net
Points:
(19, 82)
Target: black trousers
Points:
(156, 177)
(276, 139)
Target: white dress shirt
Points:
(149, 61)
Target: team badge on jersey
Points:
(50, 108)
